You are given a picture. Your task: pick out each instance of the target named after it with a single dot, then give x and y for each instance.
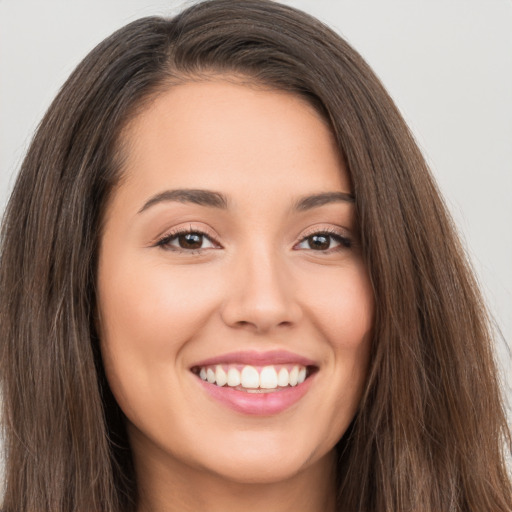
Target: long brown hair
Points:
(430, 434)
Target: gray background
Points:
(447, 64)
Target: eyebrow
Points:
(316, 200)
(200, 197)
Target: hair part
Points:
(431, 429)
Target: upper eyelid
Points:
(345, 236)
(175, 232)
(330, 230)
(339, 238)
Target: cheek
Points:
(146, 317)
(352, 330)
(157, 306)
(343, 307)
(342, 303)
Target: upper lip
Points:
(255, 358)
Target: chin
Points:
(263, 464)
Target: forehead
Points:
(222, 135)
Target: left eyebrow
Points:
(316, 200)
(197, 196)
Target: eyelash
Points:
(164, 242)
(343, 241)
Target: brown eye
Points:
(319, 242)
(187, 241)
(324, 242)
(190, 241)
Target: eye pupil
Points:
(190, 241)
(319, 242)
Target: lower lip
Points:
(260, 404)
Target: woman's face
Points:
(230, 253)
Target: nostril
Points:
(260, 325)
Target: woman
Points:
(228, 279)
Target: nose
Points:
(260, 294)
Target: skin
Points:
(255, 284)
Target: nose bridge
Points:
(261, 292)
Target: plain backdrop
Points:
(446, 63)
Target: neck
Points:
(164, 488)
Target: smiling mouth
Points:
(255, 379)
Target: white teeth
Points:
(250, 377)
(294, 376)
(283, 378)
(210, 376)
(220, 376)
(268, 378)
(233, 377)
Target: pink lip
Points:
(255, 358)
(262, 404)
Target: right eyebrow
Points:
(196, 196)
(317, 200)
